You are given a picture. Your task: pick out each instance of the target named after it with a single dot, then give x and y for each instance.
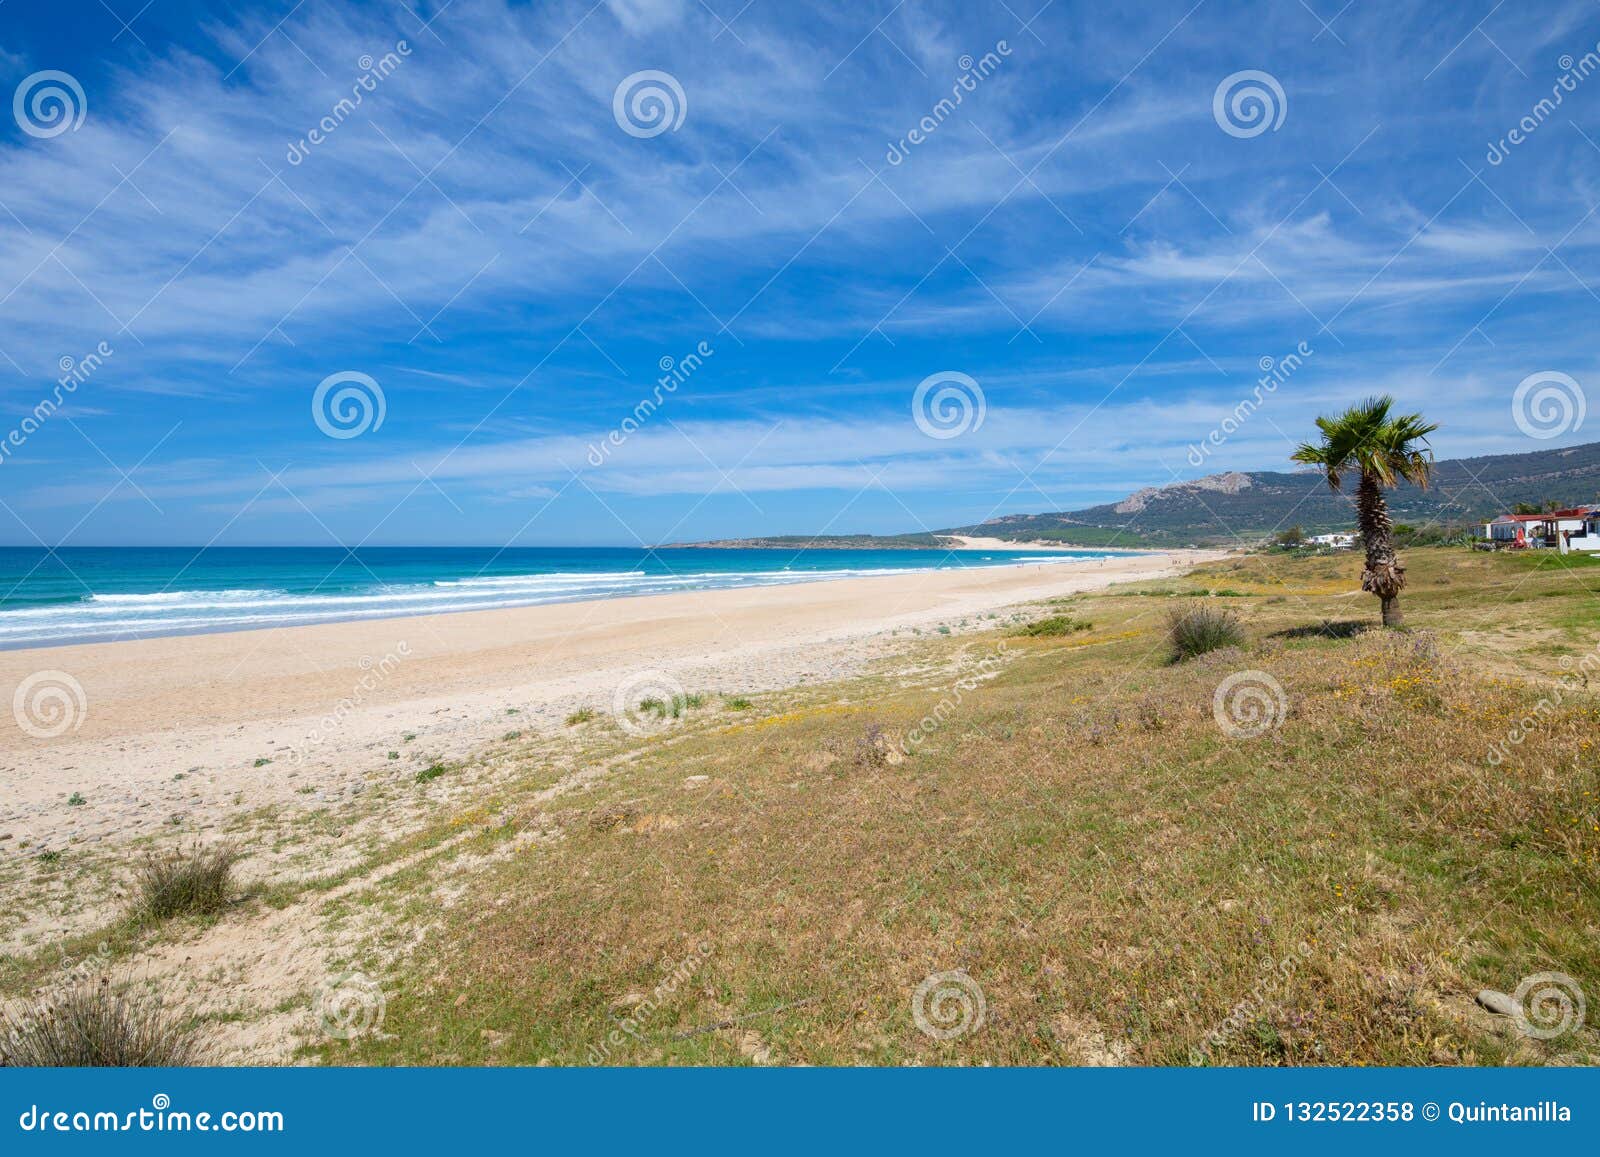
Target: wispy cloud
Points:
(479, 235)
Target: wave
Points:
(110, 616)
(575, 576)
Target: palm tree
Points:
(1385, 449)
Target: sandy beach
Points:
(179, 731)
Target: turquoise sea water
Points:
(94, 594)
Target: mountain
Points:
(1248, 506)
(1252, 505)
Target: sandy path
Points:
(178, 731)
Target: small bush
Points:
(93, 1025)
(581, 715)
(193, 882)
(737, 703)
(431, 772)
(1199, 629)
(76, 799)
(1055, 625)
(670, 708)
(874, 749)
(608, 818)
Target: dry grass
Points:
(193, 882)
(1125, 881)
(93, 1024)
(1196, 630)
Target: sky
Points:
(642, 271)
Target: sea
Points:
(100, 594)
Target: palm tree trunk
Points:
(1384, 574)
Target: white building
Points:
(1333, 541)
(1574, 529)
(1587, 537)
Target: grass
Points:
(1054, 625)
(93, 1024)
(193, 882)
(1123, 878)
(1073, 828)
(1198, 629)
(672, 708)
(581, 715)
(737, 703)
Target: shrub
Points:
(670, 708)
(1199, 629)
(581, 715)
(92, 1025)
(432, 771)
(873, 748)
(195, 882)
(737, 703)
(1055, 625)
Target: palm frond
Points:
(1370, 439)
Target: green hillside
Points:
(1230, 507)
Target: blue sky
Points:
(1105, 245)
